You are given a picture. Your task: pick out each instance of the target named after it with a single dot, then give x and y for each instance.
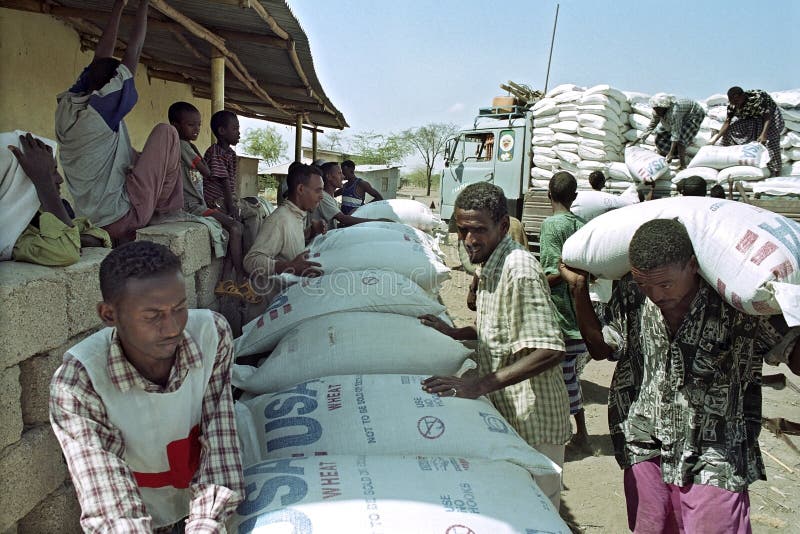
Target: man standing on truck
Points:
(520, 344)
(676, 123)
(353, 191)
(753, 116)
(685, 400)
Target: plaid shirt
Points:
(221, 161)
(515, 317)
(695, 400)
(94, 448)
(757, 104)
(675, 119)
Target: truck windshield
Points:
(479, 146)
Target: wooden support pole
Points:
(217, 82)
(298, 138)
(314, 144)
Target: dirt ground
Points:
(593, 499)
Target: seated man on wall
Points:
(119, 189)
(143, 409)
(53, 236)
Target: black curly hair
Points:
(135, 260)
(483, 196)
(177, 109)
(659, 243)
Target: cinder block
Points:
(206, 280)
(191, 293)
(33, 315)
(83, 290)
(58, 513)
(190, 241)
(35, 376)
(10, 412)
(32, 469)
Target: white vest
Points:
(151, 423)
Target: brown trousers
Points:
(154, 184)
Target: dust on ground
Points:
(593, 500)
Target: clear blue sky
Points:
(391, 65)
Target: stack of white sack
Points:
(367, 290)
(578, 130)
(749, 255)
(402, 210)
(735, 163)
(380, 245)
(369, 494)
(352, 343)
(386, 414)
(789, 102)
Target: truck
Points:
(498, 149)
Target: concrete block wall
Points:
(43, 312)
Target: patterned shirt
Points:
(676, 118)
(553, 234)
(221, 161)
(515, 317)
(94, 448)
(695, 401)
(757, 104)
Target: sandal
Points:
(228, 288)
(248, 294)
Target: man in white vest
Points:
(143, 409)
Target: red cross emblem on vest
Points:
(183, 456)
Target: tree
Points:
(429, 141)
(265, 143)
(378, 149)
(418, 177)
(334, 140)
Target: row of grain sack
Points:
(335, 431)
(581, 130)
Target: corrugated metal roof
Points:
(173, 52)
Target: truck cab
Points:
(497, 149)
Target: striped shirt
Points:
(221, 161)
(107, 490)
(516, 316)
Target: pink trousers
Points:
(655, 507)
(154, 185)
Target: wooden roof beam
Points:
(39, 6)
(298, 67)
(231, 60)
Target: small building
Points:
(384, 178)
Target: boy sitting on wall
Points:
(186, 119)
(113, 185)
(53, 236)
